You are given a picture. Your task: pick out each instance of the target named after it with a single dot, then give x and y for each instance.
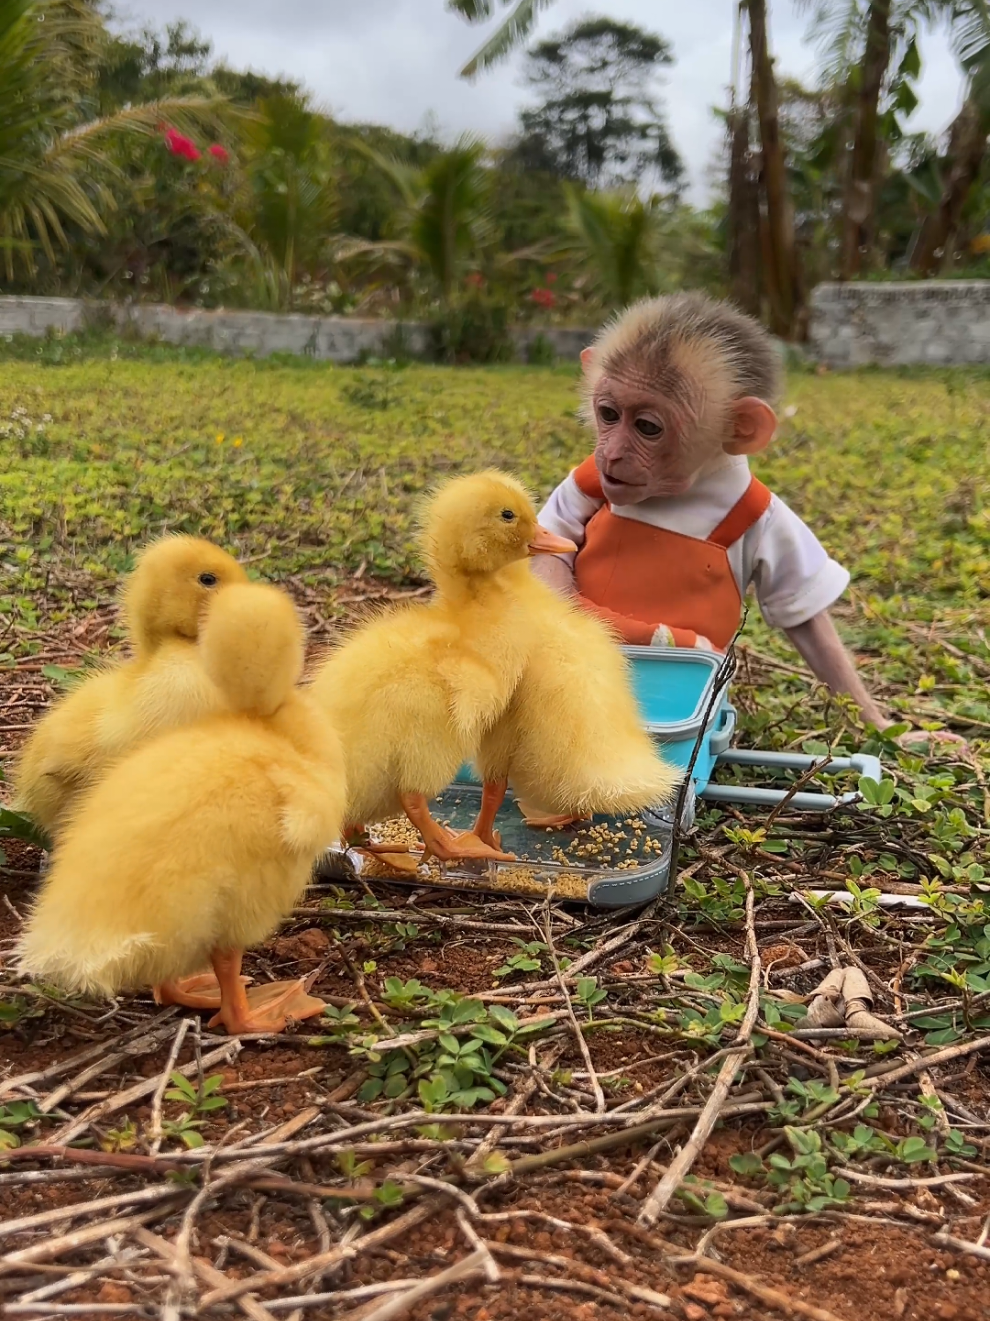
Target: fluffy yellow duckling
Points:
(196, 845)
(413, 692)
(571, 742)
(162, 687)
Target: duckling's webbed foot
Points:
(443, 844)
(468, 845)
(546, 821)
(201, 991)
(492, 797)
(267, 1008)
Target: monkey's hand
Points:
(913, 739)
(680, 637)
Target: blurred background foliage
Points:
(137, 166)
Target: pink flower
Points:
(220, 154)
(543, 297)
(179, 145)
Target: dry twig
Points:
(657, 1202)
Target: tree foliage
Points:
(56, 167)
(444, 212)
(597, 120)
(289, 201)
(134, 164)
(510, 33)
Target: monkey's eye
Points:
(508, 515)
(608, 414)
(208, 580)
(648, 428)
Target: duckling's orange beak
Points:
(546, 543)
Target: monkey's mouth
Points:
(617, 481)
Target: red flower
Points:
(475, 279)
(543, 297)
(551, 277)
(179, 145)
(220, 154)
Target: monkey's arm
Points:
(823, 650)
(827, 658)
(556, 572)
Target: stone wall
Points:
(333, 338)
(938, 322)
(941, 322)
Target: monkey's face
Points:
(650, 443)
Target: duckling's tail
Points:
(81, 962)
(617, 780)
(252, 647)
(639, 780)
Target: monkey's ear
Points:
(587, 358)
(753, 425)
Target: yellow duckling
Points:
(412, 693)
(162, 687)
(196, 845)
(571, 742)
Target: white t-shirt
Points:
(792, 574)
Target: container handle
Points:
(863, 764)
(744, 796)
(722, 737)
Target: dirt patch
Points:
(312, 1144)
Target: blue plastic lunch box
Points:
(674, 687)
(676, 691)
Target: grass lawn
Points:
(311, 473)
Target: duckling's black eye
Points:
(208, 579)
(508, 515)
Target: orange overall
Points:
(637, 577)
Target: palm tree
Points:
(291, 198)
(54, 166)
(864, 38)
(967, 139)
(615, 236)
(509, 34)
(445, 212)
(742, 221)
(780, 266)
(860, 203)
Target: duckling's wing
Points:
(166, 691)
(63, 753)
(388, 693)
(310, 807)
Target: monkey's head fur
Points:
(671, 386)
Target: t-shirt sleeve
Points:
(793, 575)
(567, 513)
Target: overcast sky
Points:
(395, 62)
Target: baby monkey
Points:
(671, 526)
